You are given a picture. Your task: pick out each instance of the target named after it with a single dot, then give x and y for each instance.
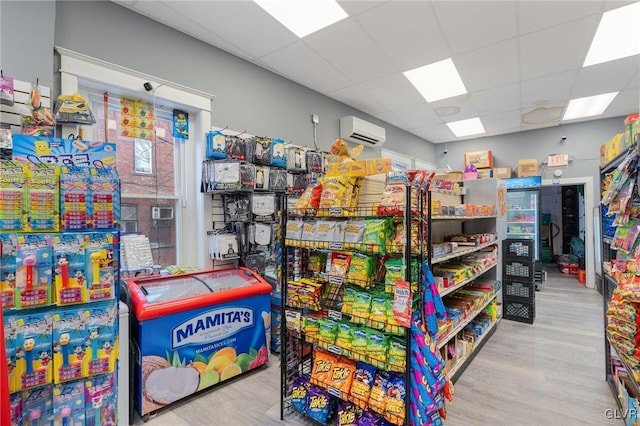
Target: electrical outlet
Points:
(315, 118)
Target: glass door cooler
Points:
(195, 330)
(523, 210)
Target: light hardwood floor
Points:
(549, 373)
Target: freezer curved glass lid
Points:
(152, 297)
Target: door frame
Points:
(589, 204)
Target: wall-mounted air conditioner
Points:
(161, 213)
(354, 129)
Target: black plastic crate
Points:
(518, 249)
(518, 270)
(516, 310)
(518, 290)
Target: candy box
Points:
(69, 269)
(75, 198)
(69, 345)
(16, 408)
(100, 400)
(43, 198)
(12, 196)
(37, 406)
(105, 198)
(8, 243)
(33, 349)
(33, 270)
(100, 338)
(69, 404)
(10, 344)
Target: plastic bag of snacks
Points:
(348, 414)
(320, 404)
(300, 394)
(361, 270)
(340, 263)
(395, 400)
(377, 396)
(375, 235)
(333, 189)
(309, 200)
(362, 383)
(394, 197)
(322, 366)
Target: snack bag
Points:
(359, 341)
(361, 307)
(395, 272)
(395, 400)
(326, 230)
(340, 264)
(347, 300)
(344, 335)
(375, 236)
(354, 233)
(322, 365)
(378, 394)
(342, 375)
(362, 383)
(377, 345)
(327, 330)
(299, 394)
(348, 414)
(394, 197)
(332, 192)
(317, 261)
(311, 327)
(309, 200)
(319, 408)
(361, 270)
(378, 312)
(294, 230)
(309, 231)
(397, 354)
(369, 419)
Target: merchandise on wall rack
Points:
(348, 289)
(621, 284)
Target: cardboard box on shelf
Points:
(480, 159)
(485, 173)
(378, 165)
(502, 172)
(527, 167)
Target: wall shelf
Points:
(464, 323)
(459, 253)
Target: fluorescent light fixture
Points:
(303, 17)
(436, 81)
(617, 36)
(588, 106)
(471, 126)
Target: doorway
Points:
(566, 239)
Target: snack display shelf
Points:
(443, 292)
(373, 249)
(614, 392)
(461, 191)
(461, 252)
(397, 330)
(611, 279)
(632, 377)
(443, 341)
(439, 217)
(346, 213)
(468, 357)
(356, 356)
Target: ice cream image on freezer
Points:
(28, 345)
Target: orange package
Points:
(342, 375)
(323, 364)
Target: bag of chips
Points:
(361, 270)
(362, 383)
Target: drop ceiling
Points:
(521, 61)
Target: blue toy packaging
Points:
(10, 344)
(43, 198)
(101, 341)
(100, 264)
(38, 406)
(105, 198)
(8, 249)
(216, 145)
(68, 404)
(69, 269)
(278, 158)
(69, 344)
(75, 198)
(12, 201)
(100, 401)
(33, 270)
(33, 350)
(16, 408)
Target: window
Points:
(129, 218)
(142, 156)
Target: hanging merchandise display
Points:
(73, 109)
(6, 90)
(137, 119)
(180, 124)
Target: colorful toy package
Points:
(13, 204)
(69, 344)
(33, 270)
(101, 340)
(8, 251)
(216, 145)
(105, 198)
(33, 350)
(16, 408)
(100, 264)
(69, 269)
(68, 404)
(10, 344)
(37, 406)
(43, 198)
(100, 400)
(75, 198)
(278, 157)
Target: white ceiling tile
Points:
(606, 77)
(463, 103)
(244, 22)
(498, 99)
(634, 82)
(358, 98)
(439, 133)
(490, 66)
(538, 15)
(556, 49)
(546, 90)
(469, 25)
(418, 116)
(501, 123)
(301, 64)
(355, 7)
(392, 118)
(410, 36)
(351, 50)
(611, 4)
(627, 102)
(393, 91)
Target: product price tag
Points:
(335, 246)
(335, 212)
(334, 349)
(333, 391)
(336, 280)
(336, 315)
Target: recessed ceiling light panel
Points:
(617, 36)
(303, 17)
(436, 81)
(471, 126)
(589, 106)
